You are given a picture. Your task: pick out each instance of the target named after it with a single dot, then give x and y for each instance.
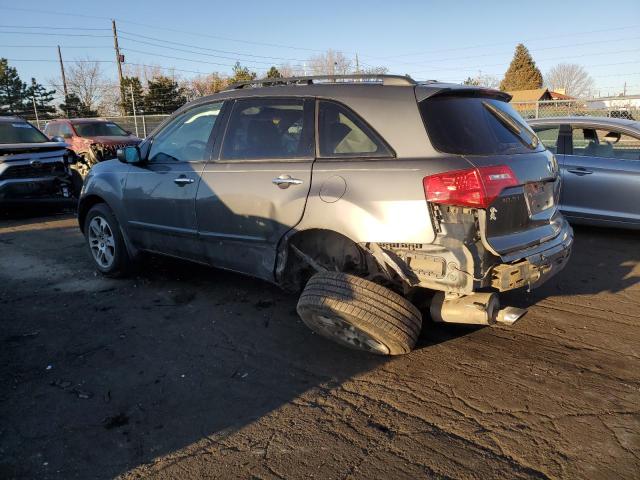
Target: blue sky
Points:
(429, 40)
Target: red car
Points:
(92, 139)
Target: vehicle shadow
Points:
(603, 260)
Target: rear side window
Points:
(465, 125)
(269, 129)
(548, 135)
(20, 132)
(343, 134)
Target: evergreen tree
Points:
(522, 73)
(43, 99)
(164, 95)
(13, 91)
(74, 108)
(471, 81)
(274, 73)
(129, 85)
(241, 74)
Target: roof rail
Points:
(310, 80)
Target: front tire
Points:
(359, 314)
(105, 242)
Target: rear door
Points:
(255, 189)
(602, 175)
(512, 165)
(160, 194)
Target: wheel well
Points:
(84, 207)
(330, 250)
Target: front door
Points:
(255, 188)
(160, 193)
(601, 175)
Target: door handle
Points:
(181, 181)
(285, 181)
(580, 171)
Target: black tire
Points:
(120, 265)
(359, 314)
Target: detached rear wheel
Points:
(359, 314)
(105, 242)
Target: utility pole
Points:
(64, 79)
(119, 60)
(133, 106)
(357, 64)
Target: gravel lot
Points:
(189, 372)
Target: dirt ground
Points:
(189, 372)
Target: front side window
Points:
(548, 135)
(186, 137)
(467, 125)
(64, 130)
(343, 134)
(20, 132)
(99, 129)
(591, 142)
(268, 129)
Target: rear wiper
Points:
(511, 124)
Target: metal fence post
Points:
(538, 109)
(35, 110)
(144, 126)
(133, 104)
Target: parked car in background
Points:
(93, 140)
(363, 191)
(600, 167)
(33, 169)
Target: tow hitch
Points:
(475, 309)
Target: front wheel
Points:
(359, 314)
(105, 242)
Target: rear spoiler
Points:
(427, 91)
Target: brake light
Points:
(475, 187)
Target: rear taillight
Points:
(475, 187)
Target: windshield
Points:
(20, 132)
(99, 129)
(476, 126)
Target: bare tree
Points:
(330, 63)
(86, 79)
(483, 80)
(570, 77)
(205, 85)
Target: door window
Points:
(591, 142)
(268, 129)
(51, 130)
(343, 134)
(64, 130)
(548, 135)
(186, 138)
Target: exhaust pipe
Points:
(474, 309)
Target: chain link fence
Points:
(619, 108)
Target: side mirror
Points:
(58, 139)
(129, 154)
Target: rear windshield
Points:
(98, 129)
(20, 132)
(476, 126)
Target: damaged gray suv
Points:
(361, 192)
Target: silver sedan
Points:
(600, 167)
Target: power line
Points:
(52, 28)
(510, 52)
(53, 46)
(470, 47)
(190, 59)
(58, 34)
(201, 48)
